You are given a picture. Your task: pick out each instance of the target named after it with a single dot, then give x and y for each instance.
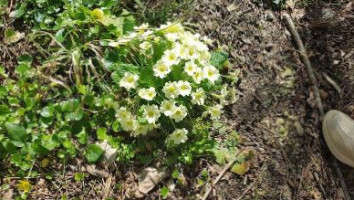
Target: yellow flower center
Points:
(150, 94)
(151, 113)
(130, 79)
(171, 89)
(184, 87)
(172, 57)
(163, 68)
(210, 73)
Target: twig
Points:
(313, 79)
(305, 60)
(107, 187)
(341, 179)
(254, 182)
(333, 84)
(205, 196)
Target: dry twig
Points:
(313, 79)
(264, 167)
(333, 84)
(306, 61)
(205, 196)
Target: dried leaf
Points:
(232, 7)
(240, 168)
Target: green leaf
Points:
(51, 142)
(39, 149)
(82, 137)
(116, 77)
(120, 69)
(3, 91)
(148, 78)
(4, 109)
(19, 11)
(22, 69)
(76, 115)
(47, 111)
(16, 132)
(140, 4)
(219, 58)
(3, 151)
(59, 35)
(107, 3)
(129, 24)
(12, 36)
(164, 192)
(220, 155)
(93, 153)
(115, 126)
(2, 71)
(117, 24)
(25, 59)
(175, 174)
(70, 105)
(102, 133)
(79, 177)
(70, 148)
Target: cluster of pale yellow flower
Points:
(189, 51)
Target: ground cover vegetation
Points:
(100, 74)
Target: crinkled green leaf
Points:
(16, 131)
(219, 58)
(47, 111)
(4, 109)
(93, 153)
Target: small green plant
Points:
(164, 192)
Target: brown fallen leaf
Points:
(8, 195)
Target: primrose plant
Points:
(148, 92)
(177, 81)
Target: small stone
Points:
(232, 7)
(148, 179)
(110, 153)
(336, 62)
(41, 182)
(171, 185)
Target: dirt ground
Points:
(275, 114)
